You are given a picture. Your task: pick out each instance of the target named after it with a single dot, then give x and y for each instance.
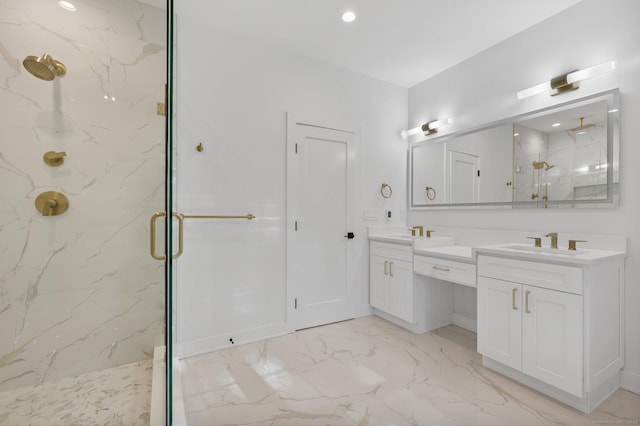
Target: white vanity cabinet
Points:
(557, 328)
(391, 279)
(533, 330)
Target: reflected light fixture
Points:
(349, 16)
(428, 128)
(67, 5)
(567, 82)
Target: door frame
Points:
(294, 119)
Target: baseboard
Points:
(414, 328)
(241, 337)
(586, 404)
(631, 381)
(466, 323)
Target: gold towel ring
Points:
(385, 190)
(430, 190)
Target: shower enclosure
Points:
(82, 169)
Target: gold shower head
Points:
(582, 127)
(44, 67)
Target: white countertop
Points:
(457, 253)
(549, 255)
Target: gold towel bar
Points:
(181, 218)
(195, 216)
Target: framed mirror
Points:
(565, 156)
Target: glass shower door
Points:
(82, 162)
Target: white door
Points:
(320, 195)
(463, 177)
(500, 321)
(552, 338)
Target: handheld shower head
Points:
(44, 67)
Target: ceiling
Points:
(399, 41)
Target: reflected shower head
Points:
(44, 67)
(582, 128)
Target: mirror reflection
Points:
(561, 157)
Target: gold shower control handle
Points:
(52, 203)
(53, 158)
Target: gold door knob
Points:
(52, 203)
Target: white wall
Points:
(79, 292)
(233, 96)
(483, 89)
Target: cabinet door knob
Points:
(526, 302)
(391, 269)
(513, 299)
(385, 267)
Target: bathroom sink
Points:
(547, 254)
(403, 237)
(547, 250)
(417, 242)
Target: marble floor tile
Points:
(113, 397)
(370, 372)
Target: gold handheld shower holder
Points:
(44, 67)
(53, 158)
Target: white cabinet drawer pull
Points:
(385, 267)
(513, 299)
(391, 268)
(526, 302)
(440, 268)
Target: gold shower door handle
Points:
(152, 233)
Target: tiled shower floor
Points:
(114, 397)
(370, 372)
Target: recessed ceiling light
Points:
(349, 16)
(67, 5)
(555, 124)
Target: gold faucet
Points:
(419, 228)
(554, 239)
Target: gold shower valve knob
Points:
(52, 203)
(53, 158)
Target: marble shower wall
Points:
(79, 292)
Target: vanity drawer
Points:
(448, 270)
(391, 251)
(545, 275)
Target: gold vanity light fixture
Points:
(567, 82)
(429, 128)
